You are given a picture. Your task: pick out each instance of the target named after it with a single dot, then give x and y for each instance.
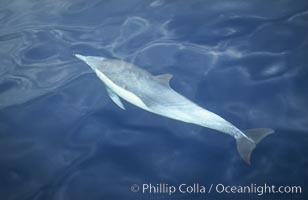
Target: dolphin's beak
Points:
(87, 60)
(81, 57)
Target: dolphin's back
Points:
(157, 95)
(142, 84)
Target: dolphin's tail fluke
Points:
(245, 146)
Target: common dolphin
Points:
(154, 94)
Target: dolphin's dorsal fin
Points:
(115, 98)
(164, 78)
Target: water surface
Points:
(61, 137)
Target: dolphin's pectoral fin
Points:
(164, 78)
(115, 98)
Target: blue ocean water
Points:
(62, 138)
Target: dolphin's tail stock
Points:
(245, 146)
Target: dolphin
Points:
(154, 94)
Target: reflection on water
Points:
(62, 138)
